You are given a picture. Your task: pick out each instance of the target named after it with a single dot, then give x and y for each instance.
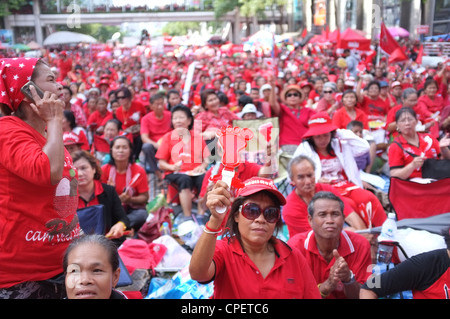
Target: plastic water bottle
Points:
(387, 240)
(165, 229)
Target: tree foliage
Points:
(99, 31)
(7, 5)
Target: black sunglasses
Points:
(327, 92)
(292, 94)
(252, 211)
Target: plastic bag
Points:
(180, 286)
(175, 258)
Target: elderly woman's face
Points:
(45, 79)
(259, 230)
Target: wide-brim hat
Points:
(258, 184)
(291, 87)
(319, 123)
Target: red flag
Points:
(420, 55)
(397, 55)
(387, 41)
(390, 46)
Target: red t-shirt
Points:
(295, 212)
(131, 117)
(38, 220)
(375, 109)
(237, 277)
(398, 158)
(154, 127)
(341, 118)
(120, 182)
(353, 247)
(293, 124)
(173, 150)
(96, 119)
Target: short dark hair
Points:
(324, 195)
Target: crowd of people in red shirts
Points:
(151, 99)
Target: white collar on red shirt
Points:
(345, 248)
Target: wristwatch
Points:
(352, 279)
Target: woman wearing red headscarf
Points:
(38, 183)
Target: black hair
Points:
(204, 96)
(108, 245)
(324, 195)
(130, 144)
(405, 110)
(187, 111)
(70, 117)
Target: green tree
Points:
(180, 28)
(8, 5)
(99, 31)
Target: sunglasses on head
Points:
(252, 211)
(292, 94)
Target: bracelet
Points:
(321, 293)
(212, 230)
(124, 226)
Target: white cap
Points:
(395, 83)
(249, 108)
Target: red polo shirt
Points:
(237, 277)
(353, 247)
(399, 158)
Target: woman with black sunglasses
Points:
(249, 261)
(293, 115)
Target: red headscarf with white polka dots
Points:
(14, 73)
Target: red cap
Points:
(70, 138)
(257, 184)
(320, 123)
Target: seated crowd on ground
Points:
(148, 134)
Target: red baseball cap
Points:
(258, 184)
(70, 138)
(320, 123)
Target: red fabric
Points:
(14, 73)
(292, 128)
(38, 219)
(341, 118)
(172, 148)
(295, 212)
(375, 109)
(139, 187)
(429, 199)
(126, 116)
(399, 158)
(137, 254)
(154, 127)
(237, 277)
